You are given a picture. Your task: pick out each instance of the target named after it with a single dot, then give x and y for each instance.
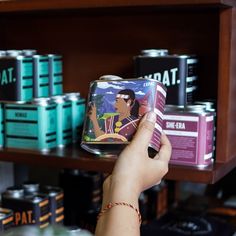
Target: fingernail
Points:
(151, 116)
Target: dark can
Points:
(6, 219)
(41, 76)
(64, 120)
(31, 125)
(190, 130)
(16, 75)
(56, 207)
(177, 72)
(107, 130)
(78, 114)
(55, 74)
(28, 209)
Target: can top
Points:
(13, 53)
(58, 98)
(51, 190)
(154, 52)
(76, 231)
(195, 108)
(31, 187)
(110, 77)
(173, 108)
(14, 192)
(2, 53)
(41, 101)
(210, 106)
(34, 198)
(72, 96)
(29, 52)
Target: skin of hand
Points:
(133, 173)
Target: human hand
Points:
(134, 170)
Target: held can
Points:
(64, 120)
(177, 72)
(78, 114)
(190, 131)
(28, 209)
(107, 130)
(55, 75)
(16, 75)
(31, 125)
(56, 207)
(41, 76)
(6, 219)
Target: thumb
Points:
(144, 131)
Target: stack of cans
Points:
(189, 124)
(6, 219)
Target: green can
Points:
(41, 76)
(55, 75)
(16, 77)
(63, 121)
(1, 126)
(78, 114)
(31, 125)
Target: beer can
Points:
(78, 114)
(55, 74)
(6, 219)
(1, 125)
(41, 76)
(28, 209)
(177, 72)
(56, 207)
(63, 121)
(190, 131)
(115, 107)
(31, 125)
(16, 74)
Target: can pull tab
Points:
(110, 77)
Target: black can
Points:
(56, 208)
(6, 219)
(28, 209)
(177, 72)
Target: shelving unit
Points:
(101, 37)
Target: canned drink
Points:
(56, 207)
(55, 75)
(190, 131)
(78, 114)
(177, 72)
(28, 209)
(6, 219)
(115, 108)
(31, 125)
(16, 75)
(1, 125)
(64, 120)
(41, 76)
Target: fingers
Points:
(145, 131)
(165, 150)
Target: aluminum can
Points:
(190, 131)
(41, 76)
(31, 125)
(63, 120)
(16, 75)
(106, 130)
(6, 219)
(177, 72)
(55, 74)
(56, 207)
(28, 209)
(1, 126)
(78, 114)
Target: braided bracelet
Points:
(111, 204)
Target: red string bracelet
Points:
(111, 204)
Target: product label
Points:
(209, 137)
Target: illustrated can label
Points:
(6, 219)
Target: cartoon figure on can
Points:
(115, 110)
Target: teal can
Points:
(16, 77)
(55, 75)
(1, 126)
(78, 114)
(63, 121)
(31, 125)
(41, 76)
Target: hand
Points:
(134, 170)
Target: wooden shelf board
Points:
(74, 158)
(38, 5)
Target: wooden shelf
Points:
(38, 5)
(72, 157)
